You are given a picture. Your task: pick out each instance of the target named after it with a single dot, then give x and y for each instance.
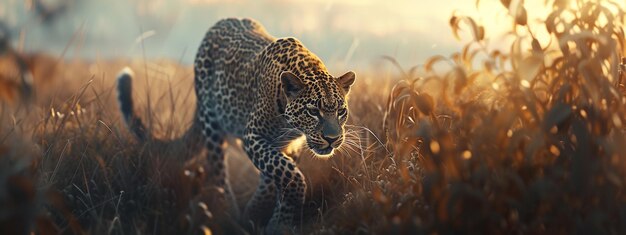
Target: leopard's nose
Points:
(331, 139)
(331, 131)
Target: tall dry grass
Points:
(85, 173)
(529, 140)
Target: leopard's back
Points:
(223, 84)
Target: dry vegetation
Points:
(529, 140)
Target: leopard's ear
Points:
(346, 81)
(291, 84)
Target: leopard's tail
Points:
(192, 138)
(125, 99)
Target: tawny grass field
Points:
(526, 140)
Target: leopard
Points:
(268, 92)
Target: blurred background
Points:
(351, 34)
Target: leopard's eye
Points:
(342, 112)
(313, 111)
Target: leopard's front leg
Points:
(287, 179)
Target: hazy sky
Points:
(344, 33)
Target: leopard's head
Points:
(317, 106)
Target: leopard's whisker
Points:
(373, 134)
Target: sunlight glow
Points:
(467, 154)
(296, 146)
(326, 156)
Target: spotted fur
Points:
(267, 92)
